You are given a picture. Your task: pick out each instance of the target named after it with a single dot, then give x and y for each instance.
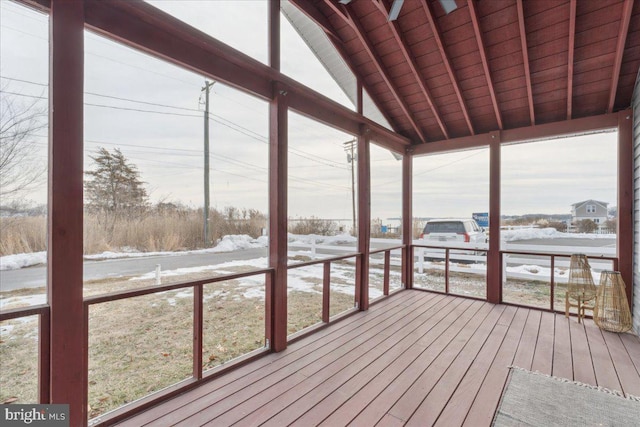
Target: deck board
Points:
(416, 358)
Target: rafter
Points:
(435, 29)
(622, 38)
(377, 61)
(525, 59)
(411, 62)
(314, 13)
(483, 55)
(316, 16)
(572, 38)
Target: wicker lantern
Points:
(580, 287)
(611, 311)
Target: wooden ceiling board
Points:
(421, 33)
(452, 92)
(502, 34)
(456, 19)
(544, 50)
(602, 32)
(536, 8)
(553, 32)
(516, 118)
(546, 21)
(498, 19)
(506, 48)
(439, 81)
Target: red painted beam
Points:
(572, 37)
(384, 73)
(435, 29)
(411, 62)
(274, 34)
(525, 58)
(473, 12)
(548, 130)
(68, 338)
(625, 200)
(364, 215)
(142, 26)
(311, 11)
(278, 173)
(622, 38)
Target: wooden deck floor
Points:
(416, 359)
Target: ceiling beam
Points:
(336, 41)
(316, 16)
(411, 62)
(572, 39)
(143, 27)
(622, 38)
(564, 128)
(483, 55)
(447, 64)
(525, 59)
(354, 23)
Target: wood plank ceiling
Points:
(488, 64)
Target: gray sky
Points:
(163, 134)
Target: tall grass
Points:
(154, 230)
(22, 234)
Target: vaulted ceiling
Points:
(488, 64)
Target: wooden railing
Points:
(44, 348)
(463, 254)
(198, 376)
(552, 265)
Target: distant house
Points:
(590, 209)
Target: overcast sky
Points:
(153, 112)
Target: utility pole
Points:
(206, 89)
(349, 148)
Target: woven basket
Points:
(580, 287)
(611, 311)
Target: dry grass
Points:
(22, 234)
(155, 230)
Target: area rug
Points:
(534, 399)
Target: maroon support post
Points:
(364, 215)
(407, 220)
(625, 200)
(278, 143)
(69, 342)
(494, 280)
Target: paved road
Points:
(34, 277)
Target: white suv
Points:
(453, 230)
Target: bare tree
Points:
(20, 168)
(114, 188)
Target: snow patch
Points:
(14, 262)
(547, 233)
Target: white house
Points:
(590, 209)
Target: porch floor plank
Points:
(416, 358)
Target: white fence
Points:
(530, 262)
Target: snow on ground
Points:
(547, 233)
(14, 262)
(229, 243)
(323, 240)
(23, 300)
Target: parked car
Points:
(453, 230)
